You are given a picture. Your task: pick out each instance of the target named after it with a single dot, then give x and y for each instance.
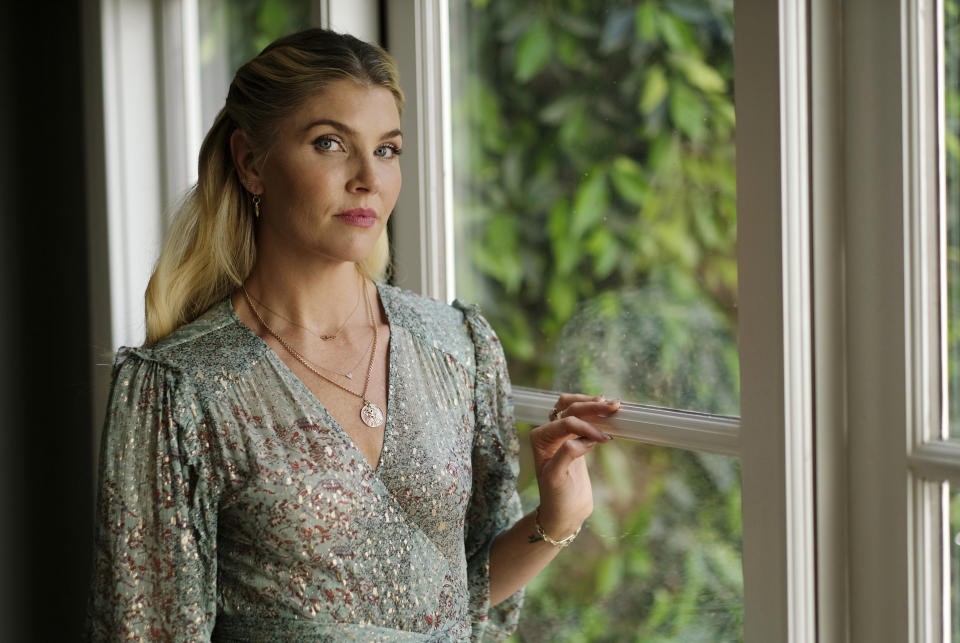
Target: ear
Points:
(244, 160)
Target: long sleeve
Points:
(495, 504)
(154, 568)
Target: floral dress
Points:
(233, 507)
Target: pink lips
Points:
(360, 217)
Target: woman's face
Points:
(331, 178)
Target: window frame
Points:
(900, 456)
(818, 331)
(774, 436)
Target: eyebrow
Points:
(346, 129)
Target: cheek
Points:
(393, 181)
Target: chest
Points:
(344, 398)
(317, 467)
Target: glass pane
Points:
(232, 32)
(595, 193)
(951, 143)
(659, 559)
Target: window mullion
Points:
(775, 323)
(423, 230)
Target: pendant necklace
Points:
(370, 413)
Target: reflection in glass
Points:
(659, 559)
(595, 193)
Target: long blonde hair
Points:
(211, 246)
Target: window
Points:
(594, 220)
(459, 237)
(685, 448)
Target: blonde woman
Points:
(299, 451)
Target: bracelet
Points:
(556, 543)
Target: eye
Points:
(328, 144)
(388, 151)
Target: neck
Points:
(319, 298)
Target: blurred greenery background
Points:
(951, 144)
(596, 226)
(595, 197)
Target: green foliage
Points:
(243, 28)
(951, 142)
(596, 224)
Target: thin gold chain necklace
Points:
(349, 373)
(370, 413)
(322, 336)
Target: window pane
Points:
(659, 559)
(232, 32)
(595, 193)
(951, 143)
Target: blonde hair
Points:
(211, 246)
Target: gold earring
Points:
(256, 205)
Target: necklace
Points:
(349, 373)
(370, 413)
(324, 337)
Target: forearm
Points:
(518, 555)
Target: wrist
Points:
(553, 533)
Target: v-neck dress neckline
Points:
(321, 408)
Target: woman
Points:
(300, 452)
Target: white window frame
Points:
(774, 437)
(900, 456)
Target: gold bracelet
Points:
(556, 543)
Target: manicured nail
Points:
(608, 436)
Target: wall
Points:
(45, 439)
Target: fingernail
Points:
(617, 401)
(608, 436)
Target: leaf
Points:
(602, 246)
(698, 73)
(647, 29)
(627, 177)
(590, 203)
(676, 33)
(608, 576)
(573, 132)
(533, 51)
(564, 246)
(687, 112)
(561, 298)
(654, 89)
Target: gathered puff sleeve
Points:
(154, 567)
(495, 503)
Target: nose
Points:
(364, 176)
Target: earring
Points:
(256, 205)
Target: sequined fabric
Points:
(232, 506)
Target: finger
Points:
(559, 430)
(570, 451)
(566, 399)
(592, 408)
